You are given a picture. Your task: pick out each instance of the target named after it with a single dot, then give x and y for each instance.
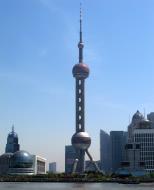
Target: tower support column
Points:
(80, 105)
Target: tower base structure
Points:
(78, 168)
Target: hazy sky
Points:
(38, 48)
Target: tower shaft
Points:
(80, 105)
(80, 121)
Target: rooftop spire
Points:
(80, 44)
(12, 128)
(80, 22)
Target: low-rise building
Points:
(39, 164)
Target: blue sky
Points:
(38, 48)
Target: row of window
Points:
(145, 135)
(144, 139)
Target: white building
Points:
(141, 134)
(145, 137)
(39, 164)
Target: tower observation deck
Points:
(81, 140)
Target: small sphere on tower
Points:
(81, 140)
(80, 45)
(80, 71)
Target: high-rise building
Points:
(150, 117)
(137, 117)
(118, 141)
(52, 167)
(140, 149)
(105, 152)
(144, 135)
(12, 142)
(70, 156)
(81, 140)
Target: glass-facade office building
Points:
(105, 152)
(118, 141)
(70, 156)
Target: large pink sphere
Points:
(80, 71)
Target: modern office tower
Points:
(105, 152)
(118, 141)
(150, 117)
(80, 140)
(70, 156)
(12, 142)
(52, 167)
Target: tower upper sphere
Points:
(80, 70)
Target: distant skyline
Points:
(37, 52)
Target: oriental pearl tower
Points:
(81, 140)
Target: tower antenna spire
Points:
(13, 128)
(144, 112)
(80, 44)
(81, 22)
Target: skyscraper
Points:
(137, 117)
(150, 117)
(105, 151)
(143, 134)
(70, 156)
(12, 142)
(118, 141)
(81, 140)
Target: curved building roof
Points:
(6, 155)
(21, 159)
(137, 117)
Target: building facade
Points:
(52, 167)
(145, 137)
(105, 152)
(39, 164)
(118, 141)
(70, 156)
(150, 117)
(5, 163)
